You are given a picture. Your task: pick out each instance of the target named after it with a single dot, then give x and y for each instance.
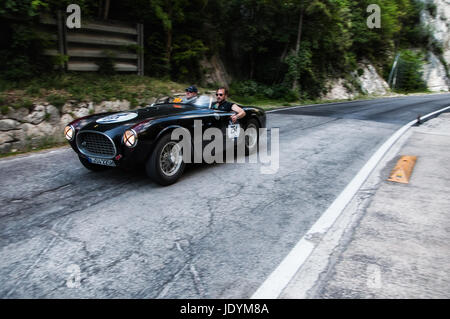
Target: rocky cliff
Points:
(436, 17)
(365, 81)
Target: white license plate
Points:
(101, 161)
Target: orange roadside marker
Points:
(402, 171)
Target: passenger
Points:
(191, 94)
(223, 105)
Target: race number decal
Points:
(233, 130)
(116, 118)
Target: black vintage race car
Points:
(143, 136)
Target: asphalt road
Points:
(219, 232)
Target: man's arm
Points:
(240, 113)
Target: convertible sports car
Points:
(143, 136)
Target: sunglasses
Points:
(219, 94)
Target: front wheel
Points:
(166, 164)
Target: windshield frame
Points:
(203, 101)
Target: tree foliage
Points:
(270, 42)
(408, 77)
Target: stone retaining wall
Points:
(23, 129)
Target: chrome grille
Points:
(96, 144)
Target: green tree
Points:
(409, 72)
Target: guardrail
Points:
(94, 41)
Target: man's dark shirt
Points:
(224, 106)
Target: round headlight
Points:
(130, 138)
(69, 132)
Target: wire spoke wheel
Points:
(252, 136)
(171, 158)
(165, 164)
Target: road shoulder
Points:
(391, 241)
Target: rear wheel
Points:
(90, 166)
(166, 164)
(251, 137)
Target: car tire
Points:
(251, 142)
(92, 167)
(163, 166)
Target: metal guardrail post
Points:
(394, 66)
(140, 28)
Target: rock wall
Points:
(215, 73)
(371, 82)
(367, 81)
(434, 74)
(337, 89)
(24, 129)
(439, 24)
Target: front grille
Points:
(96, 144)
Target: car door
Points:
(223, 122)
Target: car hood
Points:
(118, 122)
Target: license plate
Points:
(101, 161)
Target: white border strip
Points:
(283, 274)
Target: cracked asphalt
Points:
(217, 233)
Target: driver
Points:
(191, 94)
(223, 105)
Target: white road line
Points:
(283, 274)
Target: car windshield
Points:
(203, 101)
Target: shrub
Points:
(409, 72)
(431, 8)
(245, 88)
(77, 97)
(106, 64)
(133, 102)
(248, 89)
(97, 98)
(360, 72)
(26, 103)
(292, 96)
(4, 109)
(283, 92)
(33, 90)
(56, 100)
